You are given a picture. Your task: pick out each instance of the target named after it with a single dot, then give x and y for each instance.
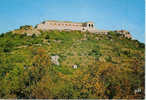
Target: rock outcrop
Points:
(54, 60)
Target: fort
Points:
(66, 26)
(80, 26)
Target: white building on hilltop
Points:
(79, 26)
(66, 25)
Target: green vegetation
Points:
(109, 66)
(26, 27)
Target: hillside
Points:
(107, 66)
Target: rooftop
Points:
(66, 21)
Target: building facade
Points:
(66, 25)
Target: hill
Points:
(90, 65)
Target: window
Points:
(92, 25)
(43, 22)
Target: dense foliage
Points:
(109, 66)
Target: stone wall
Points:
(85, 26)
(60, 25)
(125, 33)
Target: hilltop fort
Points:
(67, 26)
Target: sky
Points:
(106, 14)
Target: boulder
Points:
(102, 59)
(54, 60)
(97, 38)
(75, 66)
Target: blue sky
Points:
(106, 14)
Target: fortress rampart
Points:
(66, 25)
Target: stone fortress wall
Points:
(68, 25)
(65, 25)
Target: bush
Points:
(8, 46)
(33, 36)
(109, 58)
(2, 35)
(47, 37)
(23, 35)
(7, 49)
(95, 52)
(141, 45)
(127, 53)
(111, 33)
(26, 27)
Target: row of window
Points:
(59, 24)
(91, 25)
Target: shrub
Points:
(111, 33)
(7, 49)
(8, 46)
(47, 37)
(2, 35)
(26, 27)
(33, 36)
(127, 53)
(109, 58)
(95, 52)
(23, 35)
(141, 45)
